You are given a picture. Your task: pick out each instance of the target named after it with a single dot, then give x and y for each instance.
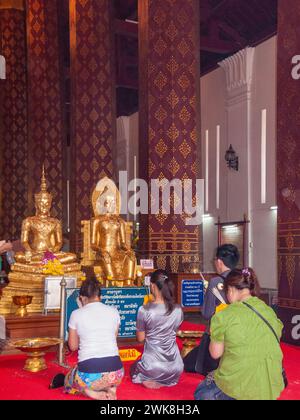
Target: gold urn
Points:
(22, 302)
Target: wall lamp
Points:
(232, 159)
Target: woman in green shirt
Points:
(251, 358)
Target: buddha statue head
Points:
(106, 198)
(43, 199)
(107, 203)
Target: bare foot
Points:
(112, 392)
(152, 385)
(97, 395)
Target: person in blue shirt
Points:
(6, 255)
(199, 359)
(226, 259)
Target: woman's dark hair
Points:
(229, 254)
(90, 288)
(243, 279)
(166, 287)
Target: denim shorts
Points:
(208, 390)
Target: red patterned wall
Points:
(45, 105)
(93, 114)
(169, 131)
(13, 124)
(288, 158)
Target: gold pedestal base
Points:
(188, 346)
(35, 362)
(21, 283)
(189, 340)
(111, 283)
(22, 311)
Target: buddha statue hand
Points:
(106, 257)
(28, 256)
(128, 252)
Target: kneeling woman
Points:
(246, 337)
(93, 330)
(157, 324)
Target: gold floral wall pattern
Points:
(169, 54)
(93, 112)
(288, 155)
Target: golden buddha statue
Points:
(40, 234)
(114, 260)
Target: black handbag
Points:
(199, 359)
(284, 376)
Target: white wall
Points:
(127, 148)
(213, 113)
(240, 119)
(264, 221)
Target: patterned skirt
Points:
(78, 382)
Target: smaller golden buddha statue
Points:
(114, 260)
(40, 234)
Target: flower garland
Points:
(52, 265)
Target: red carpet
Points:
(17, 384)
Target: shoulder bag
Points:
(284, 377)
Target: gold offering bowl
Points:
(35, 349)
(22, 302)
(189, 340)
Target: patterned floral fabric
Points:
(78, 382)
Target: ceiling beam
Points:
(217, 45)
(129, 29)
(207, 12)
(229, 30)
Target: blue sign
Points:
(126, 300)
(192, 293)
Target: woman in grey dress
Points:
(157, 324)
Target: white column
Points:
(263, 156)
(239, 77)
(2, 67)
(127, 150)
(206, 171)
(218, 144)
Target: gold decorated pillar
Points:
(13, 120)
(169, 122)
(288, 179)
(46, 131)
(93, 113)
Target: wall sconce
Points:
(232, 159)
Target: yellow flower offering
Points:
(54, 268)
(148, 298)
(221, 307)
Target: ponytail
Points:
(166, 287)
(243, 279)
(90, 288)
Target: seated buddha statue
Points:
(42, 233)
(108, 237)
